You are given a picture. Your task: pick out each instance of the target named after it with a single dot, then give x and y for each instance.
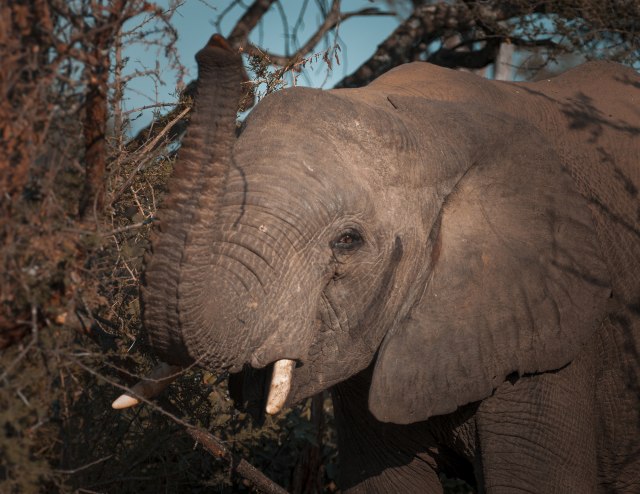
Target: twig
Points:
(331, 20)
(153, 106)
(241, 466)
(34, 339)
(128, 227)
(145, 150)
(152, 144)
(83, 467)
(210, 442)
(113, 382)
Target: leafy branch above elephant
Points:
(456, 259)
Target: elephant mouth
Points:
(281, 374)
(262, 390)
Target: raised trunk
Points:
(178, 266)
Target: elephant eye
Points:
(347, 240)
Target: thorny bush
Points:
(77, 202)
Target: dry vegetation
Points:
(77, 200)
(77, 203)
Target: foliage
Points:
(268, 77)
(70, 328)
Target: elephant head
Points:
(440, 242)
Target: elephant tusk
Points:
(158, 379)
(280, 385)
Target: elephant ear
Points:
(517, 284)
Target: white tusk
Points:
(124, 401)
(159, 378)
(280, 385)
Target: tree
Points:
(469, 34)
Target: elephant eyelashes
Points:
(349, 240)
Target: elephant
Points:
(457, 260)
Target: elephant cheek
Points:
(289, 338)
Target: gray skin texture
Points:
(457, 259)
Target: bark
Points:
(431, 22)
(95, 122)
(426, 24)
(240, 34)
(96, 112)
(25, 28)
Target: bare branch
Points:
(84, 467)
(426, 24)
(155, 127)
(27, 348)
(476, 59)
(148, 148)
(210, 442)
(333, 18)
(239, 35)
(429, 23)
(330, 21)
(244, 468)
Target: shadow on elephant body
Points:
(476, 321)
(248, 390)
(621, 351)
(412, 456)
(386, 457)
(586, 96)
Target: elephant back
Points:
(596, 129)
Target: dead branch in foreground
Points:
(239, 465)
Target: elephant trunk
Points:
(178, 266)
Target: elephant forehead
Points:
(330, 135)
(299, 183)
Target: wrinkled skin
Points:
(456, 259)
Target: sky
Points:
(194, 21)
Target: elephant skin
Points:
(456, 259)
